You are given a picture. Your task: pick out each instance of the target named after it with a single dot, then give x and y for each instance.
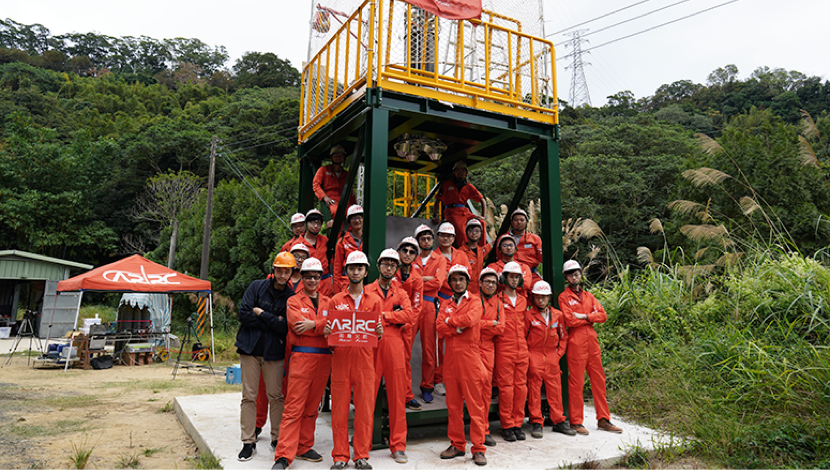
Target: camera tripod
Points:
(26, 330)
(191, 329)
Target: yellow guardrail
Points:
(392, 45)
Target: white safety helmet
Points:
(447, 228)
(409, 241)
(474, 223)
(542, 288)
(354, 209)
(487, 272)
(571, 265)
(357, 257)
(313, 212)
(297, 218)
(389, 253)
(512, 267)
(337, 149)
(312, 264)
(518, 212)
(459, 164)
(458, 268)
(301, 247)
(421, 229)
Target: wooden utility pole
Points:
(203, 273)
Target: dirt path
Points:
(123, 414)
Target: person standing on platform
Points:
(297, 229)
(506, 247)
(528, 245)
(491, 328)
(396, 314)
(351, 241)
(547, 341)
(330, 180)
(511, 355)
(453, 193)
(260, 343)
(300, 253)
(433, 271)
(446, 237)
(409, 275)
(309, 370)
(317, 244)
(475, 253)
(581, 310)
(458, 321)
(353, 371)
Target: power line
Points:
(263, 135)
(598, 18)
(238, 173)
(627, 21)
(650, 29)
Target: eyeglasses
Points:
(409, 251)
(312, 277)
(388, 265)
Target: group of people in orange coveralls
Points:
(483, 330)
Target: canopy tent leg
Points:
(51, 321)
(212, 344)
(74, 327)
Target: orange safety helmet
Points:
(284, 260)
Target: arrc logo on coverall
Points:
(357, 325)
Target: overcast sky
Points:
(747, 33)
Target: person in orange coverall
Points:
(409, 274)
(433, 272)
(330, 180)
(459, 322)
(528, 245)
(547, 341)
(351, 241)
(475, 253)
(453, 193)
(511, 355)
(446, 237)
(353, 369)
(318, 245)
(581, 310)
(506, 251)
(297, 229)
(310, 366)
(389, 356)
(491, 328)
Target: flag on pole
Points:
(450, 9)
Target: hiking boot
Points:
(311, 456)
(274, 446)
(489, 441)
(520, 435)
(338, 465)
(247, 452)
(452, 453)
(479, 458)
(427, 397)
(580, 429)
(606, 425)
(563, 428)
(280, 464)
(440, 390)
(362, 464)
(536, 430)
(257, 432)
(508, 435)
(413, 404)
(400, 457)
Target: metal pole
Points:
(72, 335)
(203, 272)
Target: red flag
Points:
(450, 9)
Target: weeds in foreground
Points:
(206, 460)
(128, 461)
(80, 455)
(151, 451)
(167, 408)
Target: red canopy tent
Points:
(135, 274)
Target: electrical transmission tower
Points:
(579, 85)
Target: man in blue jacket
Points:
(260, 343)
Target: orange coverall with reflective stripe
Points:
(308, 375)
(512, 362)
(436, 266)
(458, 257)
(414, 288)
(487, 345)
(547, 341)
(353, 369)
(390, 358)
(583, 352)
(345, 245)
(465, 372)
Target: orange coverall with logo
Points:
(527, 276)
(547, 341)
(328, 183)
(308, 374)
(475, 263)
(318, 252)
(455, 208)
(487, 345)
(465, 372)
(390, 358)
(353, 369)
(529, 252)
(345, 245)
(583, 352)
(294, 240)
(436, 266)
(458, 257)
(414, 288)
(512, 362)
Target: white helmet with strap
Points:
(357, 257)
(389, 253)
(458, 268)
(312, 264)
(542, 288)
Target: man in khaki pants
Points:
(260, 343)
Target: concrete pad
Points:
(213, 423)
